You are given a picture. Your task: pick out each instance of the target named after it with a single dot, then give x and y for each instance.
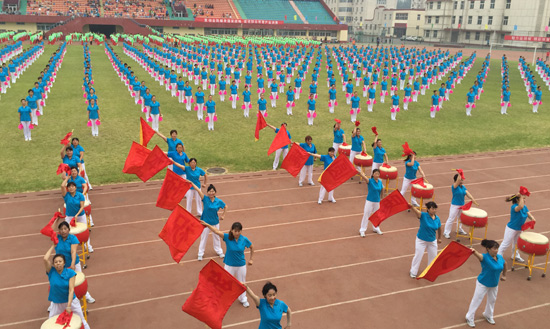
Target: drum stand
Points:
(421, 200)
(361, 177)
(84, 254)
(470, 234)
(530, 263)
(84, 307)
(387, 189)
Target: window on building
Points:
(431, 5)
(459, 19)
(492, 6)
(389, 16)
(461, 4)
(436, 19)
(418, 17)
(479, 20)
(455, 5)
(435, 34)
(381, 2)
(477, 35)
(508, 4)
(429, 19)
(454, 20)
(469, 19)
(472, 3)
(490, 20)
(482, 4)
(467, 36)
(438, 5)
(401, 16)
(505, 20)
(487, 36)
(427, 33)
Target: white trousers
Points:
(371, 105)
(26, 130)
(405, 187)
(322, 192)
(352, 155)
(246, 109)
(210, 120)
(536, 108)
(188, 103)
(58, 308)
(504, 108)
(95, 128)
(510, 239)
(479, 294)
(336, 146)
(310, 118)
(190, 195)
(309, 170)
(454, 213)
(34, 117)
(199, 111)
(420, 247)
(375, 165)
(370, 208)
(155, 123)
(216, 240)
(278, 155)
(239, 272)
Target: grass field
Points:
(31, 166)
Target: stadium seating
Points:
(63, 7)
(313, 10)
(213, 8)
(268, 9)
(134, 9)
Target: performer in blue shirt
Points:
(309, 147)
(326, 159)
(425, 238)
(271, 309)
(518, 215)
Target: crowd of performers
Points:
(413, 71)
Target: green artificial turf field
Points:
(31, 166)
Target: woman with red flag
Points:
(339, 135)
(62, 281)
(235, 262)
(459, 192)
(518, 215)
(284, 149)
(493, 266)
(380, 156)
(309, 147)
(372, 204)
(425, 238)
(411, 168)
(326, 160)
(193, 173)
(271, 309)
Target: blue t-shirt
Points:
(246, 96)
(311, 105)
(428, 226)
(355, 102)
(147, 99)
(410, 171)
(72, 203)
(210, 210)
(327, 160)
(490, 270)
(395, 99)
(210, 107)
(374, 190)
(72, 162)
(59, 285)
(379, 154)
(290, 96)
(234, 250)
(63, 247)
(79, 181)
(172, 144)
(458, 195)
(262, 104)
(339, 136)
(194, 175)
(25, 113)
(181, 159)
(154, 107)
(517, 218)
(200, 97)
(310, 149)
(471, 97)
(92, 112)
(357, 143)
(270, 317)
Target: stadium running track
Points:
(327, 273)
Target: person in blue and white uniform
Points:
(372, 204)
(459, 192)
(425, 238)
(271, 309)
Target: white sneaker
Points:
(413, 276)
(333, 201)
(90, 300)
(300, 184)
(471, 323)
(362, 234)
(90, 249)
(246, 304)
(221, 255)
(311, 183)
(447, 236)
(490, 320)
(462, 232)
(199, 258)
(377, 230)
(519, 259)
(319, 202)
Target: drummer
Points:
(372, 204)
(339, 135)
(411, 168)
(62, 282)
(326, 160)
(493, 266)
(357, 143)
(380, 156)
(425, 238)
(459, 192)
(518, 215)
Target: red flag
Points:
(374, 130)
(392, 204)
(419, 181)
(172, 191)
(145, 132)
(337, 173)
(180, 232)
(135, 159)
(461, 173)
(280, 140)
(295, 159)
(66, 139)
(528, 225)
(449, 259)
(467, 206)
(524, 191)
(214, 294)
(155, 162)
(63, 167)
(48, 231)
(406, 149)
(64, 319)
(260, 124)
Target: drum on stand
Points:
(474, 218)
(389, 174)
(76, 322)
(344, 150)
(533, 244)
(422, 192)
(82, 233)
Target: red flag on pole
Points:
(181, 230)
(214, 294)
(392, 204)
(155, 162)
(295, 159)
(135, 159)
(449, 259)
(337, 173)
(260, 124)
(48, 231)
(280, 140)
(172, 191)
(145, 132)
